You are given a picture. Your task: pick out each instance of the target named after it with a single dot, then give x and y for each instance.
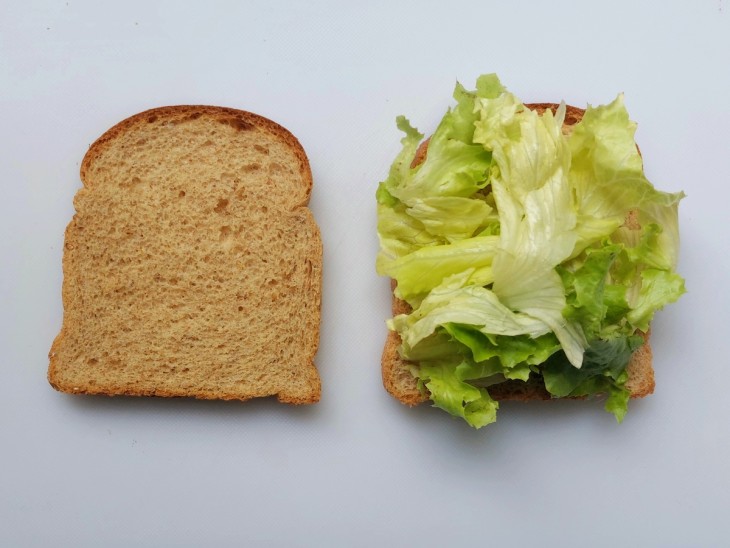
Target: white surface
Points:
(359, 469)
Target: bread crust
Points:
(185, 113)
(240, 121)
(402, 385)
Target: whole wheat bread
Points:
(192, 266)
(401, 384)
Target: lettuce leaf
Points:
(537, 218)
(455, 302)
(400, 170)
(606, 173)
(449, 391)
(421, 271)
(454, 166)
(592, 300)
(511, 351)
(452, 218)
(658, 288)
(399, 234)
(524, 251)
(603, 372)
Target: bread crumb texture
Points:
(192, 266)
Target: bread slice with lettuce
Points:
(528, 253)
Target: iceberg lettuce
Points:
(524, 251)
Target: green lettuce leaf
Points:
(452, 218)
(537, 218)
(449, 391)
(606, 173)
(658, 288)
(605, 361)
(603, 373)
(435, 203)
(455, 302)
(399, 235)
(400, 170)
(454, 166)
(617, 401)
(662, 215)
(421, 271)
(593, 302)
(451, 168)
(511, 351)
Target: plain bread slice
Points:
(192, 266)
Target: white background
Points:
(359, 469)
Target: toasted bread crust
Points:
(69, 375)
(402, 385)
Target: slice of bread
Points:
(192, 266)
(401, 384)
